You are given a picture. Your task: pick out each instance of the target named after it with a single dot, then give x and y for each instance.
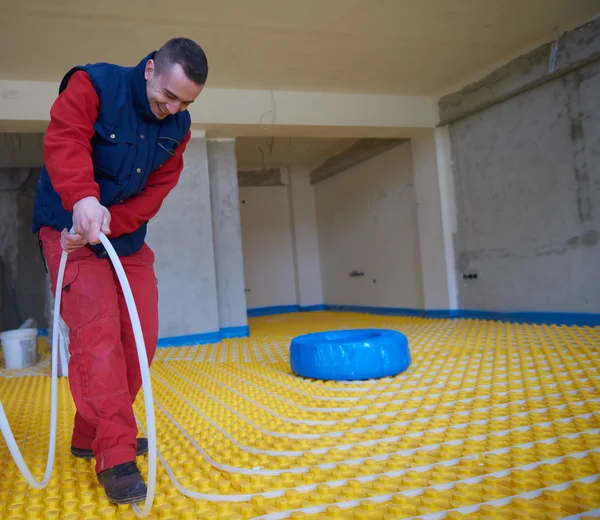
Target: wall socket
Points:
(470, 277)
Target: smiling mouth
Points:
(161, 110)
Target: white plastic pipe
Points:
(145, 371)
(146, 385)
(5, 427)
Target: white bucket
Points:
(19, 347)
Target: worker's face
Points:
(171, 91)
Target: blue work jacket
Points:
(129, 144)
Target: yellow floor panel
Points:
(491, 421)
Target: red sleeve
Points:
(132, 213)
(67, 141)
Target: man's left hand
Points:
(70, 243)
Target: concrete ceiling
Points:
(263, 153)
(423, 47)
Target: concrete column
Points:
(305, 238)
(182, 238)
(227, 237)
(436, 211)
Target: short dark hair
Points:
(188, 54)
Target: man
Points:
(112, 152)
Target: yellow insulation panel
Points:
(492, 420)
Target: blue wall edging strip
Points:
(190, 340)
(267, 311)
(205, 338)
(541, 318)
(391, 311)
(283, 309)
(312, 308)
(235, 332)
(193, 339)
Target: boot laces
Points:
(128, 468)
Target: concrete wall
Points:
(23, 277)
(280, 240)
(367, 222)
(527, 180)
(267, 246)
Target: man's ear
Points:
(149, 70)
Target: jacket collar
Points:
(138, 87)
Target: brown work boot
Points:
(123, 483)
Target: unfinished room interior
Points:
(311, 259)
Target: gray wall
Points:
(527, 183)
(22, 274)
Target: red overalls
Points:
(104, 374)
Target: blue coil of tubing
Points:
(350, 355)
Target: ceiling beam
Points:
(574, 50)
(359, 152)
(269, 177)
(26, 104)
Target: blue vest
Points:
(129, 144)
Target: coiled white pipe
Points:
(5, 427)
(146, 385)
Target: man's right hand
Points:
(89, 218)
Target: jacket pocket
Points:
(110, 147)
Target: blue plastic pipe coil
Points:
(346, 355)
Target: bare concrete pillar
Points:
(309, 289)
(227, 237)
(436, 211)
(182, 238)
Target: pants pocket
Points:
(101, 359)
(78, 306)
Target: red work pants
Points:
(104, 373)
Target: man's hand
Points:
(89, 218)
(70, 243)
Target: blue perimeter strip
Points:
(233, 332)
(284, 309)
(202, 339)
(193, 339)
(540, 318)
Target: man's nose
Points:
(174, 107)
